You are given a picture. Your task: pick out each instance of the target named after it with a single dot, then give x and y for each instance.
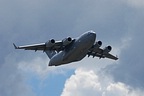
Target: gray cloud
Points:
(26, 22)
(130, 67)
(124, 23)
(12, 82)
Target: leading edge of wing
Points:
(98, 52)
(31, 47)
(110, 56)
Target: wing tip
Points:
(116, 57)
(15, 46)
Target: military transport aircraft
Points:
(70, 50)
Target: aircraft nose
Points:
(55, 60)
(50, 63)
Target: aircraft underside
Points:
(70, 50)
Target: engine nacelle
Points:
(50, 43)
(107, 49)
(67, 41)
(98, 44)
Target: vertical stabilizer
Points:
(50, 53)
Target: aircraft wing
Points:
(40, 46)
(102, 53)
(50, 45)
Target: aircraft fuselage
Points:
(71, 49)
(75, 51)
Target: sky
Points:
(118, 23)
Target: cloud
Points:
(39, 66)
(87, 82)
(136, 3)
(117, 23)
(78, 86)
(13, 83)
(16, 75)
(130, 67)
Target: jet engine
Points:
(67, 41)
(50, 43)
(107, 49)
(98, 44)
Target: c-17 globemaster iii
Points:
(71, 49)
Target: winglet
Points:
(15, 46)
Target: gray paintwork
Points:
(75, 50)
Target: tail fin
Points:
(50, 53)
